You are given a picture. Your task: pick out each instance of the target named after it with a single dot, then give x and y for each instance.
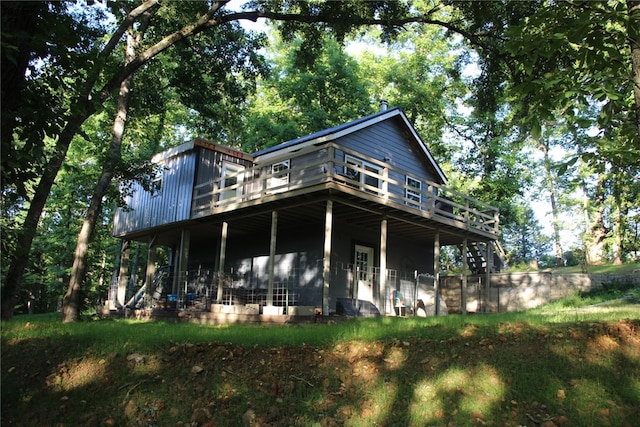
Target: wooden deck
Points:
(318, 169)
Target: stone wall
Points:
(521, 291)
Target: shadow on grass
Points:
(407, 372)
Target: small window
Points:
(157, 178)
(281, 169)
(413, 192)
(279, 176)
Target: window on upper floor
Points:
(232, 179)
(157, 178)
(370, 176)
(413, 192)
(279, 175)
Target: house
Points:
(330, 222)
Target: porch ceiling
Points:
(310, 208)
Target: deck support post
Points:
(487, 279)
(123, 274)
(272, 257)
(463, 293)
(150, 273)
(326, 265)
(221, 261)
(382, 291)
(182, 262)
(436, 271)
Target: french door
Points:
(363, 272)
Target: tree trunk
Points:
(597, 231)
(554, 208)
(25, 238)
(617, 229)
(633, 35)
(81, 110)
(72, 302)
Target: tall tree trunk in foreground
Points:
(597, 231)
(18, 264)
(82, 108)
(552, 198)
(72, 302)
(633, 35)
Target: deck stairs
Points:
(476, 257)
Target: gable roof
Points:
(336, 132)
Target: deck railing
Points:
(370, 178)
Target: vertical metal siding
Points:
(172, 204)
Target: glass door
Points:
(363, 266)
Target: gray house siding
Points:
(387, 143)
(209, 168)
(298, 261)
(172, 203)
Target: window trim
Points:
(412, 192)
(157, 181)
(229, 168)
(359, 176)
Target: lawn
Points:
(628, 268)
(562, 365)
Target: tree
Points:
(553, 59)
(215, 65)
(297, 100)
(419, 70)
(524, 240)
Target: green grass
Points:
(628, 268)
(568, 361)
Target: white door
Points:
(232, 179)
(363, 266)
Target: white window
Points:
(413, 192)
(157, 177)
(232, 179)
(370, 176)
(279, 176)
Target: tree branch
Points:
(475, 39)
(206, 21)
(125, 24)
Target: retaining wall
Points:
(521, 291)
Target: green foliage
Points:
(44, 50)
(611, 290)
(294, 101)
(524, 240)
(418, 71)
